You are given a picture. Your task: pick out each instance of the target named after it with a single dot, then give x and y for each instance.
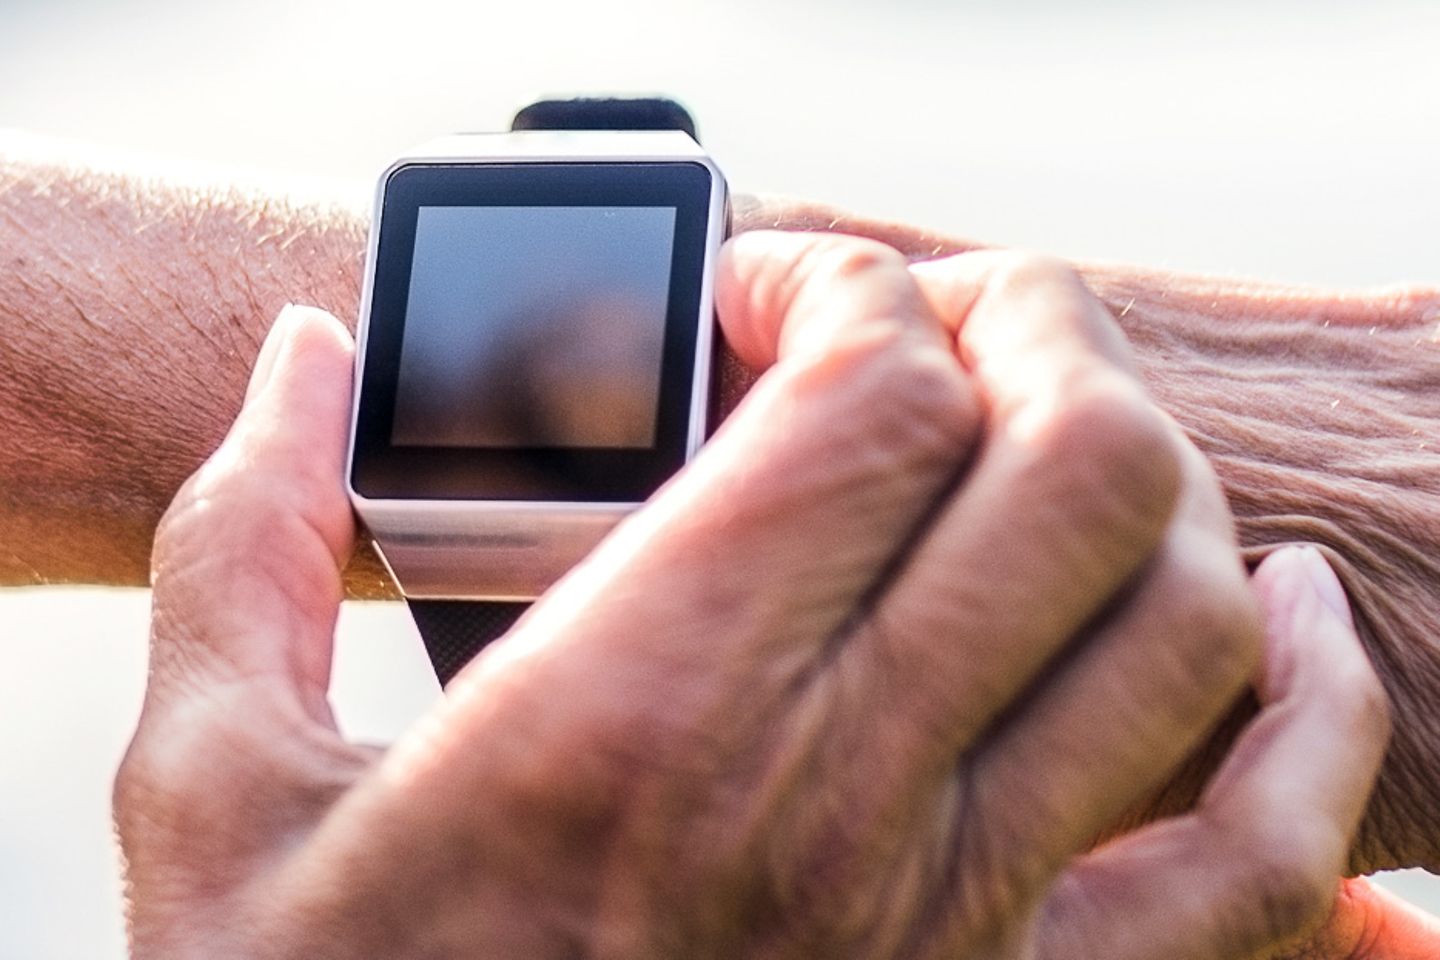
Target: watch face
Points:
(533, 331)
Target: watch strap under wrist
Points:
(454, 631)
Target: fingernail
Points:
(270, 351)
(1325, 584)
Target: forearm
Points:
(133, 307)
(1321, 413)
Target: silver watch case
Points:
(514, 550)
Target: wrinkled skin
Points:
(944, 598)
(134, 302)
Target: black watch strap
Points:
(454, 631)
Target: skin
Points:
(160, 288)
(905, 750)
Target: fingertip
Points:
(1382, 924)
(320, 321)
(1033, 311)
(740, 300)
(307, 333)
(1312, 647)
(314, 343)
(780, 293)
(1297, 580)
(308, 383)
(952, 284)
(289, 442)
(1274, 572)
(1282, 585)
(1326, 585)
(270, 348)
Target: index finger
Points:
(859, 423)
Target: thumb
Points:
(236, 749)
(246, 564)
(1256, 861)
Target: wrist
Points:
(1321, 414)
(134, 316)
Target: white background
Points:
(1292, 141)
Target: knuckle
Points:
(231, 508)
(1068, 302)
(127, 792)
(845, 258)
(205, 761)
(191, 531)
(904, 401)
(886, 377)
(215, 481)
(1118, 451)
(1215, 609)
(891, 392)
(1289, 890)
(160, 785)
(824, 261)
(178, 525)
(1020, 272)
(849, 274)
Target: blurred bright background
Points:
(1292, 141)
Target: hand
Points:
(182, 276)
(1280, 452)
(816, 699)
(1319, 410)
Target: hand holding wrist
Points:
(815, 698)
(1320, 412)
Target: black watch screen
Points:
(533, 331)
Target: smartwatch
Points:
(533, 358)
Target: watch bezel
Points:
(569, 168)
